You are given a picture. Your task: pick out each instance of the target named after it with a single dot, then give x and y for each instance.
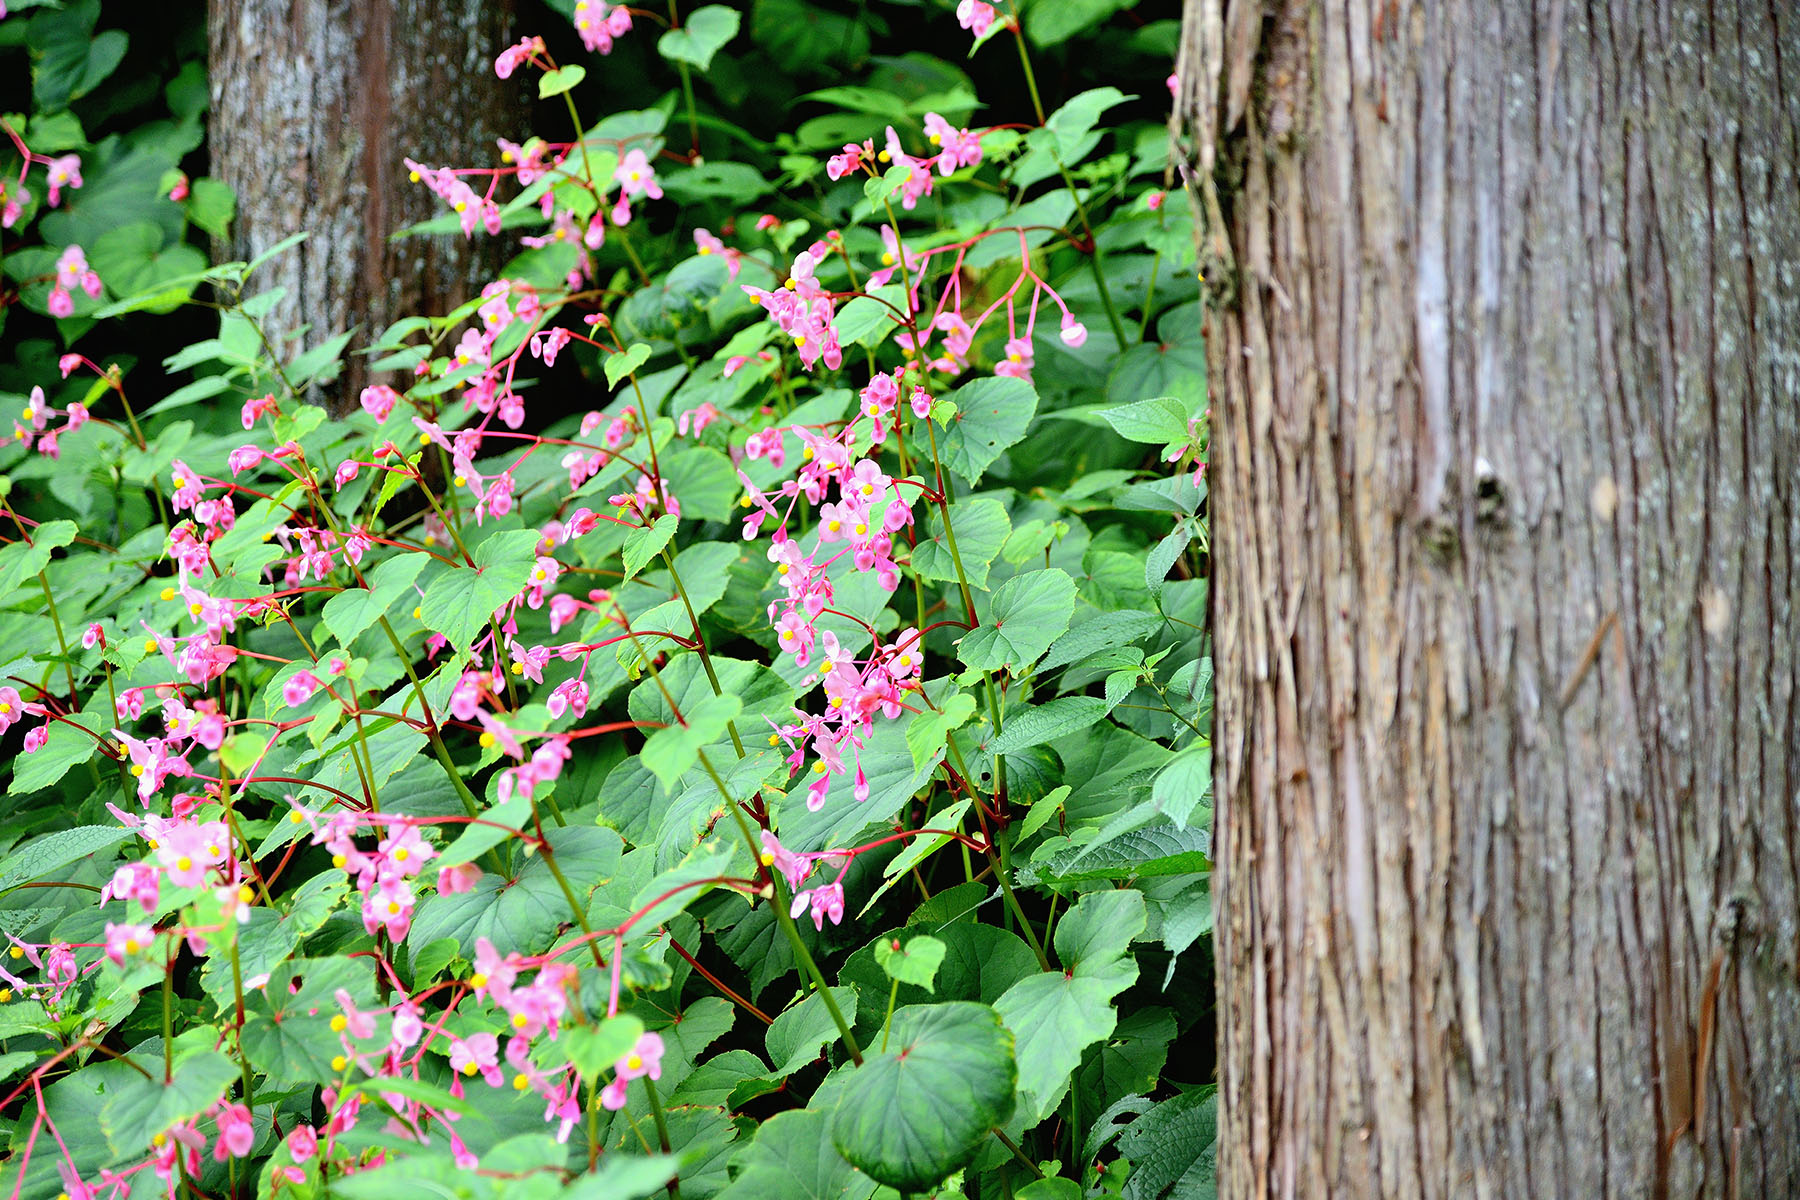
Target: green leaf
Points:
(460, 602)
(1047, 722)
(353, 610)
(800, 1032)
(412, 1089)
(626, 361)
(54, 851)
(1173, 1149)
(981, 528)
(1104, 631)
(20, 563)
(522, 914)
(1028, 613)
(1077, 118)
(992, 414)
(926, 731)
(909, 1117)
(1160, 420)
(211, 204)
(622, 1177)
(140, 1108)
(645, 543)
(1053, 1188)
(792, 1158)
(1055, 1015)
(1134, 854)
(919, 849)
(555, 83)
(1052, 22)
(1163, 555)
(915, 962)
(702, 36)
(1184, 781)
(595, 1048)
(670, 751)
(1175, 371)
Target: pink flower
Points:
(479, 1053)
(64, 172)
(599, 23)
(12, 708)
(36, 737)
(243, 458)
(299, 689)
(389, 906)
(827, 900)
(67, 363)
(187, 487)
(255, 409)
(405, 852)
(793, 867)
(511, 58)
(378, 400)
(453, 881)
(123, 940)
(1017, 362)
(1074, 333)
(236, 1133)
(975, 16)
(636, 177)
(645, 1060)
(303, 1143)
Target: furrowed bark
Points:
(1504, 350)
(316, 103)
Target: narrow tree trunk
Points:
(1505, 353)
(316, 103)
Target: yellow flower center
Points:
(478, 979)
(339, 1023)
(469, 1068)
(339, 1062)
(520, 1020)
(338, 861)
(634, 1063)
(487, 741)
(168, 594)
(131, 946)
(401, 855)
(520, 1083)
(184, 863)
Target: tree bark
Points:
(316, 103)
(1504, 346)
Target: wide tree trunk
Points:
(316, 103)
(1505, 353)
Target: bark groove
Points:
(1505, 362)
(316, 103)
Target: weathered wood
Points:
(1505, 459)
(315, 105)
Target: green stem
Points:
(1018, 1153)
(888, 1019)
(662, 1133)
(441, 751)
(700, 644)
(781, 900)
(996, 851)
(575, 908)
